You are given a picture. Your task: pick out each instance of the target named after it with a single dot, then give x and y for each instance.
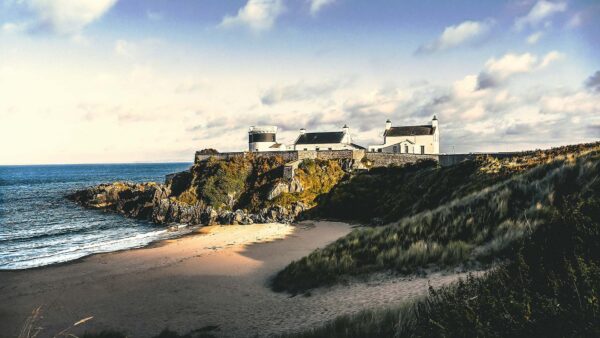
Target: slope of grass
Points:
(389, 194)
(549, 288)
(471, 230)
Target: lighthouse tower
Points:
(262, 138)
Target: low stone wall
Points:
(386, 159)
(291, 155)
(287, 155)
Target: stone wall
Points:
(292, 155)
(287, 155)
(386, 159)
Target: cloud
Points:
(154, 16)
(258, 15)
(124, 48)
(466, 32)
(541, 11)
(12, 27)
(575, 21)
(534, 38)
(518, 129)
(317, 5)
(499, 70)
(593, 82)
(301, 92)
(63, 17)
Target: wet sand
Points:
(218, 278)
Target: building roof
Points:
(357, 146)
(320, 138)
(410, 131)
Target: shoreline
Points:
(217, 277)
(196, 231)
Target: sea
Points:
(39, 226)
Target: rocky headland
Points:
(235, 191)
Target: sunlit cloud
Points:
(258, 15)
(540, 13)
(453, 36)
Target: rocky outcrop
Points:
(241, 190)
(293, 186)
(152, 201)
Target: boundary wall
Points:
(376, 159)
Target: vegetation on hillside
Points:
(317, 178)
(549, 288)
(386, 195)
(469, 230)
(244, 182)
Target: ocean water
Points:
(39, 226)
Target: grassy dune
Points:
(549, 288)
(475, 229)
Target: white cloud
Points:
(258, 15)
(317, 5)
(541, 11)
(64, 17)
(154, 16)
(11, 27)
(534, 38)
(124, 48)
(453, 36)
(550, 58)
(575, 21)
(498, 70)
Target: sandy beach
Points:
(217, 278)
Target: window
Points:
(406, 148)
(395, 149)
(330, 148)
(379, 150)
(305, 148)
(422, 149)
(317, 148)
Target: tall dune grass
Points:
(550, 287)
(467, 231)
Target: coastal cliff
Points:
(242, 190)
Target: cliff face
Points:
(236, 191)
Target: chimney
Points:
(345, 129)
(434, 122)
(302, 131)
(388, 124)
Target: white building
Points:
(264, 138)
(423, 139)
(333, 140)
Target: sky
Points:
(113, 81)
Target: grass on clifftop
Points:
(317, 177)
(244, 182)
(468, 231)
(389, 194)
(549, 288)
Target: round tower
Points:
(261, 138)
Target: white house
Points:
(423, 139)
(333, 140)
(264, 138)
